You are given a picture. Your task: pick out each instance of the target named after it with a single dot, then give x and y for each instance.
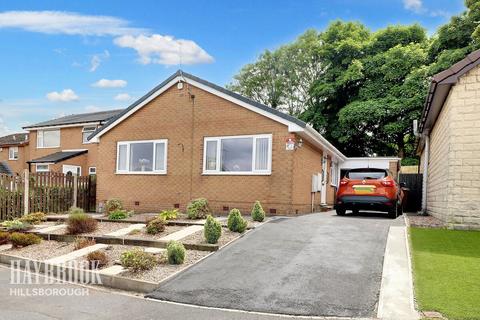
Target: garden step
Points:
(125, 231)
(182, 233)
(76, 254)
(52, 228)
(113, 270)
(154, 250)
(4, 247)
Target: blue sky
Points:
(64, 57)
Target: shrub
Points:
(175, 252)
(33, 218)
(16, 225)
(97, 259)
(257, 212)
(169, 214)
(156, 225)
(198, 209)
(80, 223)
(212, 230)
(24, 239)
(81, 243)
(4, 237)
(137, 259)
(235, 221)
(113, 205)
(75, 210)
(119, 214)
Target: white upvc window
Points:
(334, 174)
(86, 132)
(241, 155)
(13, 153)
(48, 138)
(39, 167)
(142, 157)
(92, 170)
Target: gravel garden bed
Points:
(140, 217)
(144, 235)
(102, 229)
(42, 251)
(419, 221)
(113, 252)
(198, 237)
(163, 270)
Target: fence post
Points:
(26, 192)
(75, 189)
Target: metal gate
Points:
(413, 182)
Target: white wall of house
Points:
(368, 162)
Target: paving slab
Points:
(396, 294)
(313, 265)
(125, 231)
(113, 270)
(76, 254)
(182, 233)
(52, 228)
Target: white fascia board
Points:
(29, 129)
(292, 127)
(324, 143)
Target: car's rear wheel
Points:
(355, 212)
(395, 212)
(340, 211)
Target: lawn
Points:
(446, 266)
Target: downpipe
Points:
(425, 174)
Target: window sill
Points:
(12, 159)
(236, 173)
(142, 173)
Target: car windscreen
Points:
(366, 174)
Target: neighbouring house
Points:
(13, 153)
(188, 138)
(449, 144)
(61, 145)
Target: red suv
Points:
(369, 189)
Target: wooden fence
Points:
(45, 192)
(413, 182)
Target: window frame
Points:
(253, 172)
(42, 164)
(153, 172)
(90, 131)
(43, 139)
(14, 153)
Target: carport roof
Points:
(58, 156)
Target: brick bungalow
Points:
(449, 144)
(188, 138)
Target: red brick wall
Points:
(185, 122)
(17, 166)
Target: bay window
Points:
(250, 154)
(48, 138)
(142, 157)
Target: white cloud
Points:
(413, 5)
(65, 96)
(105, 83)
(123, 97)
(60, 22)
(164, 49)
(97, 60)
(92, 108)
(3, 128)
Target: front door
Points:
(323, 191)
(72, 169)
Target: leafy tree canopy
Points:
(360, 89)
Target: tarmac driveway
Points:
(319, 264)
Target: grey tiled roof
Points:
(101, 116)
(5, 169)
(14, 139)
(206, 83)
(58, 156)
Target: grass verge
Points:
(446, 271)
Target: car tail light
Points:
(388, 183)
(343, 182)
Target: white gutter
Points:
(426, 159)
